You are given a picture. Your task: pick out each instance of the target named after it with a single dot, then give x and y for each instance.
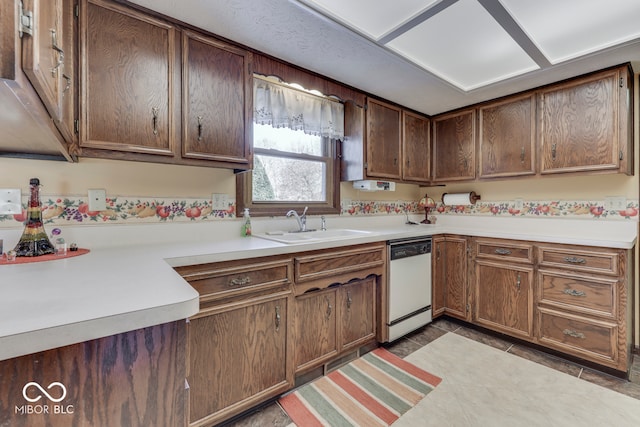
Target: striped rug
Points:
(374, 390)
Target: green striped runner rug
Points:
(374, 390)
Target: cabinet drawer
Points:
(331, 264)
(222, 280)
(504, 250)
(593, 261)
(580, 293)
(580, 336)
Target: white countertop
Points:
(122, 285)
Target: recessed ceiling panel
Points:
(566, 29)
(465, 46)
(372, 18)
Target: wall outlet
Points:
(10, 201)
(98, 199)
(615, 203)
(518, 203)
(219, 202)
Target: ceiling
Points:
(428, 55)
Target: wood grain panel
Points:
(504, 250)
(589, 260)
(357, 312)
(507, 137)
(316, 336)
(439, 277)
(456, 292)
(131, 379)
(416, 150)
(454, 151)
(332, 263)
(216, 89)
(383, 140)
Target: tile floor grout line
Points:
(510, 347)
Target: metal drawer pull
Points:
(502, 251)
(573, 333)
(575, 293)
(55, 47)
(154, 121)
(239, 281)
(278, 318)
(199, 128)
(329, 307)
(522, 155)
(575, 260)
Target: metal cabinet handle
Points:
(522, 153)
(573, 333)
(438, 254)
(239, 281)
(349, 300)
(68, 79)
(155, 112)
(575, 260)
(329, 307)
(199, 128)
(502, 251)
(54, 46)
(518, 281)
(278, 318)
(575, 293)
(553, 151)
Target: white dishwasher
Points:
(409, 285)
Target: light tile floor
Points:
(538, 369)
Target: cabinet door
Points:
(217, 98)
(454, 146)
(504, 297)
(43, 53)
(383, 140)
(507, 138)
(237, 357)
(580, 124)
(439, 276)
(315, 328)
(416, 161)
(127, 71)
(456, 294)
(357, 312)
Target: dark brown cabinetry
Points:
(217, 102)
(128, 85)
(504, 286)
(450, 278)
(416, 149)
(506, 137)
(585, 124)
(384, 133)
(454, 146)
(357, 305)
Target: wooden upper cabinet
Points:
(127, 71)
(454, 145)
(217, 100)
(415, 148)
(584, 124)
(383, 140)
(507, 137)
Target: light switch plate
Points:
(219, 201)
(10, 201)
(97, 199)
(615, 203)
(518, 203)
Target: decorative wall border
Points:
(65, 210)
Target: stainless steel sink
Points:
(313, 236)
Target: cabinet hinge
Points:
(25, 24)
(76, 126)
(621, 155)
(76, 10)
(366, 165)
(621, 81)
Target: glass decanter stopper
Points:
(34, 240)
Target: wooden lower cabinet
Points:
(239, 356)
(316, 334)
(357, 307)
(504, 297)
(450, 277)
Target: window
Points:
(295, 137)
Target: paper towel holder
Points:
(473, 197)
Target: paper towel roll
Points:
(455, 199)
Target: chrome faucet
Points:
(301, 219)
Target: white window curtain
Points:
(280, 106)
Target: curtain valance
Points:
(280, 106)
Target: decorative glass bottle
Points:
(34, 240)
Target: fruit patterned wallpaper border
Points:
(65, 210)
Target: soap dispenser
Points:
(246, 226)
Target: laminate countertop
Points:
(123, 285)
